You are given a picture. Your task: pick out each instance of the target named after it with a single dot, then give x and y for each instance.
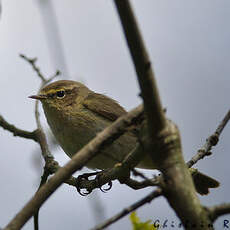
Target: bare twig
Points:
(140, 174)
(51, 165)
(142, 184)
(41, 136)
(210, 142)
(40, 132)
(16, 131)
(32, 61)
(131, 208)
(218, 210)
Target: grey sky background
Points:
(188, 42)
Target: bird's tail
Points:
(203, 182)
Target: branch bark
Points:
(76, 163)
(218, 210)
(210, 142)
(161, 138)
(149, 91)
(16, 131)
(131, 208)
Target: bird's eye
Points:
(60, 94)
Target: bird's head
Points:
(61, 94)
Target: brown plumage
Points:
(76, 114)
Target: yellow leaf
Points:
(138, 225)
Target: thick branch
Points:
(131, 208)
(76, 163)
(210, 142)
(162, 139)
(121, 172)
(149, 91)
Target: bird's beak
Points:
(38, 97)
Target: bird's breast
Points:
(74, 130)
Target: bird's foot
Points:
(83, 182)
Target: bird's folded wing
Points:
(104, 106)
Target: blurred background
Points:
(188, 42)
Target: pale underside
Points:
(76, 130)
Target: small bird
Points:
(76, 114)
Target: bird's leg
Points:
(83, 182)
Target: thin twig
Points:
(32, 62)
(16, 131)
(147, 199)
(218, 210)
(58, 72)
(40, 134)
(142, 184)
(210, 142)
(140, 174)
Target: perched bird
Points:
(76, 114)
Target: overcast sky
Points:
(188, 42)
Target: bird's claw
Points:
(110, 184)
(86, 176)
(80, 178)
(83, 193)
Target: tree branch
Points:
(48, 157)
(121, 172)
(16, 131)
(115, 173)
(51, 165)
(32, 62)
(210, 142)
(39, 137)
(218, 210)
(147, 199)
(149, 91)
(77, 162)
(161, 138)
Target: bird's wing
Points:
(103, 106)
